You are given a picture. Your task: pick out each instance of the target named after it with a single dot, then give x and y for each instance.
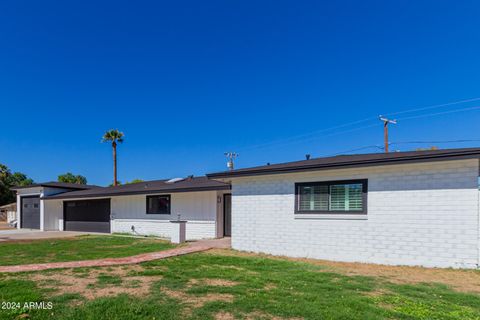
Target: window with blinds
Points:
(331, 197)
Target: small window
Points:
(35, 205)
(25, 205)
(344, 197)
(158, 204)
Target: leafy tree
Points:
(114, 136)
(119, 183)
(9, 180)
(134, 181)
(427, 149)
(71, 178)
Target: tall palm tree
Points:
(114, 136)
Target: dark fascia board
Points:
(128, 193)
(47, 185)
(352, 164)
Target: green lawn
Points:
(223, 286)
(78, 248)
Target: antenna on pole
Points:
(386, 121)
(231, 156)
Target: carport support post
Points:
(178, 231)
(42, 212)
(19, 207)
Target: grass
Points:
(78, 248)
(225, 286)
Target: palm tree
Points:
(114, 136)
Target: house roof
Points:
(12, 205)
(147, 187)
(354, 160)
(54, 184)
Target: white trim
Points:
(327, 216)
(42, 212)
(19, 211)
(165, 221)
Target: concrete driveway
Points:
(30, 234)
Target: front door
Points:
(227, 215)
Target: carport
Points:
(87, 215)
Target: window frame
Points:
(363, 182)
(169, 197)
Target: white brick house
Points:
(406, 208)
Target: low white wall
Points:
(162, 228)
(419, 214)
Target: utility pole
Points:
(386, 121)
(231, 157)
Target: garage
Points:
(87, 215)
(30, 212)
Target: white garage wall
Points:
(53, 215)
(418, 214)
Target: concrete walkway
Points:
(32, 234)
(197, 246)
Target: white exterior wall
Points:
(418, 214)
(198, 208)
(53, 215)
(11, 216)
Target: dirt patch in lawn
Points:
(197, 301)
(88, 285)
(212, 282)
(251, 316)
(224, 316)
(460, 280)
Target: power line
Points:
(434, 106)
(404, 142)
(439, 113)
(356, 149)
(435, 141)
(299, 138)
(333, 134)
(307, 134)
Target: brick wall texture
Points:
(418, 214)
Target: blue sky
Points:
(188, 80)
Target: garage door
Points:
(30, 212)
(87, 215)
